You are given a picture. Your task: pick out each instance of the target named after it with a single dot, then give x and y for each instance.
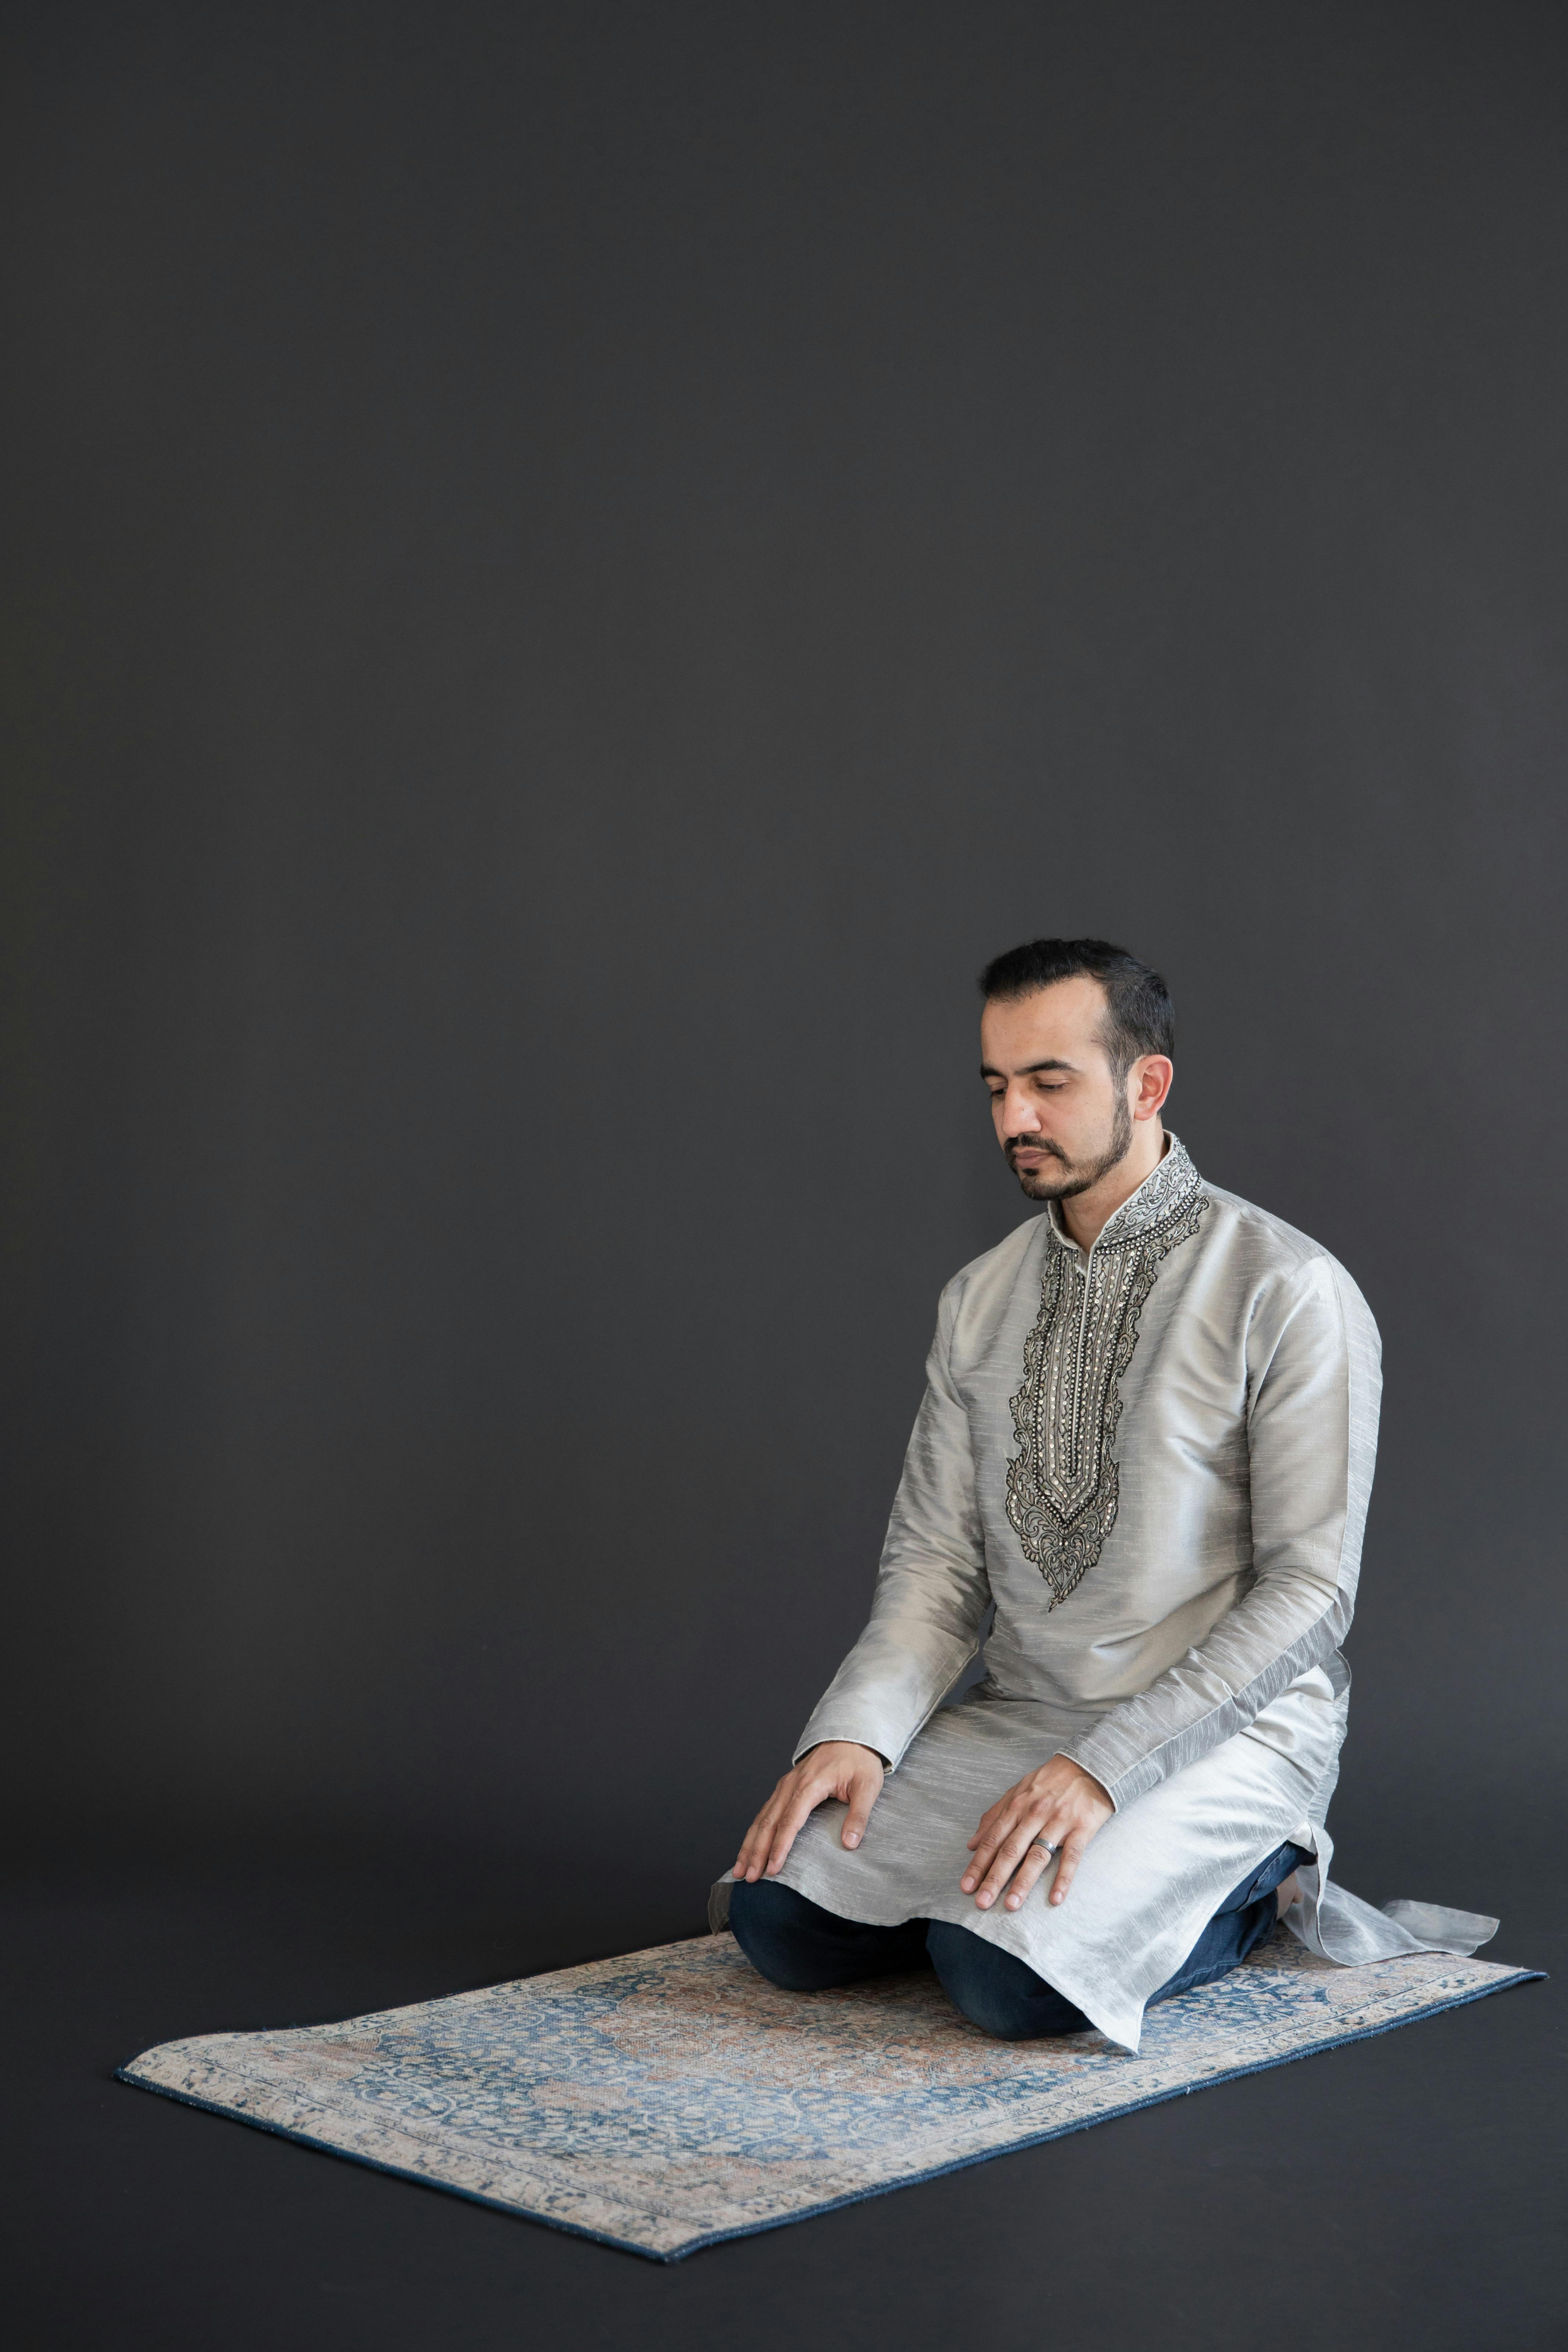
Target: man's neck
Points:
(1086, 1215)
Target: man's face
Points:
(1060, 1117)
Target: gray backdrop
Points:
(569, 575)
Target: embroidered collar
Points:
(1164, 1191)
(1064, 1480)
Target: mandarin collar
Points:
(1166, 1187)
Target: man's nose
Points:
(1020, 1116)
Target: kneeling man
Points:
(1147, 1443)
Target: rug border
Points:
(127, 2073)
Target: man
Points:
(1147, 1442)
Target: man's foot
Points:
(1289, 1890)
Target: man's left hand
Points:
(1061, 1804)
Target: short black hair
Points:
(1138, 1015)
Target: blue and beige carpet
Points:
(672, 2098)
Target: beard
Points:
(1070, 1176)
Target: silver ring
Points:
(1043, 1843)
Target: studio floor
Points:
(1407, 2191)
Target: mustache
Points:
(1035, 1143)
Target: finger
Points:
(1007, 1814)
(1012, 1822)
(1036, 1859)
(1066, 1869)
(863, 1795)
(986, 1841)
(1005, 1861)
(760, 1837)
(754, 1850)
(996, 1817)
(787, 1829)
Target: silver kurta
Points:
(1154, 1459)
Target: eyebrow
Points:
(1052, 1061)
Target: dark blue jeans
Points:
(796, 1944)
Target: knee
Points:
(765, 1920)
(999, 2020)
(996, 1992)
(996, 2013)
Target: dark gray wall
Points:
(569, 574)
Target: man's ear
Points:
(1151, 1080)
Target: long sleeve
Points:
(931, 1591)
(1313, 1388)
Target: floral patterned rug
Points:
(672, 2098)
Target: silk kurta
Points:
(1152, 1461)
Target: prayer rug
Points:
(672, 2098)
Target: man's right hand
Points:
(837, 1768)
